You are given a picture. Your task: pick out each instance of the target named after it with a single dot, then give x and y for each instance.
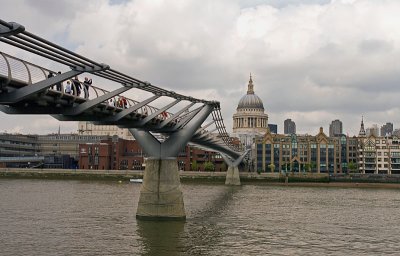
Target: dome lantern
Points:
(250, 100)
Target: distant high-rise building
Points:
(273, 128)
(396, 132)
(289, 127)
(387, 129)
(373, 130)
(335, 128)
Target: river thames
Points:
(55, 217)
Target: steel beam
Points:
(93, 103)
(29, 110)
(175, 116)
(131, 109)
(235, 163)
(158, 112)
(29, 90)
(10, 28)
(175, 142)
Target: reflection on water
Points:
(160, 237)
(98, 218)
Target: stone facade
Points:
(379, 154)
(87, 128)
(302, 153)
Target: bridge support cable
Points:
(205, 127)
(217, 117)
(232, 174)
(161, 194)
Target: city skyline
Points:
(312, 61)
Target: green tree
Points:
(353, 167)
(209, 167)
(313, 166)
(307, 167)
(195, 166)
(271, 167)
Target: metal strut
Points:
(175, 142)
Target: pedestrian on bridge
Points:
(50, 75)
(59, 85)
(68, 88)
(86, 84)
(77, 86)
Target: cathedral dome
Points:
(250, 100)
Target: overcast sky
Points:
(312, 61)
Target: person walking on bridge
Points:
(86, 84)
(50, 75)
(59, 85)
(68, 88)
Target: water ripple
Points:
(98, 218)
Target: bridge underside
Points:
(26, 88)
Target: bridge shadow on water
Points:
(198, 235)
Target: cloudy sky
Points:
(312, 60)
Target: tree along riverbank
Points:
(290, 179)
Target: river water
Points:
(51, 217)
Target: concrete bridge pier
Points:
(232, 174)
(161, 195)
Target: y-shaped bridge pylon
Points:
(161, 194)
(232, 174)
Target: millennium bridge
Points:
(27, 88)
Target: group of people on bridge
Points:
(75, 87)
(72, 86)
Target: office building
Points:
(387, 129)
(289, 126)
(335, 128)
(273, 128)
(373, 130)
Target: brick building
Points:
(120, 154)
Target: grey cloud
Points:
(375, 47)
(304, 65)
(279, 3)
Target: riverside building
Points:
(302, 153)
(88, 128)
(120, 154)
(379, 155)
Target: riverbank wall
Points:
(311, 179)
